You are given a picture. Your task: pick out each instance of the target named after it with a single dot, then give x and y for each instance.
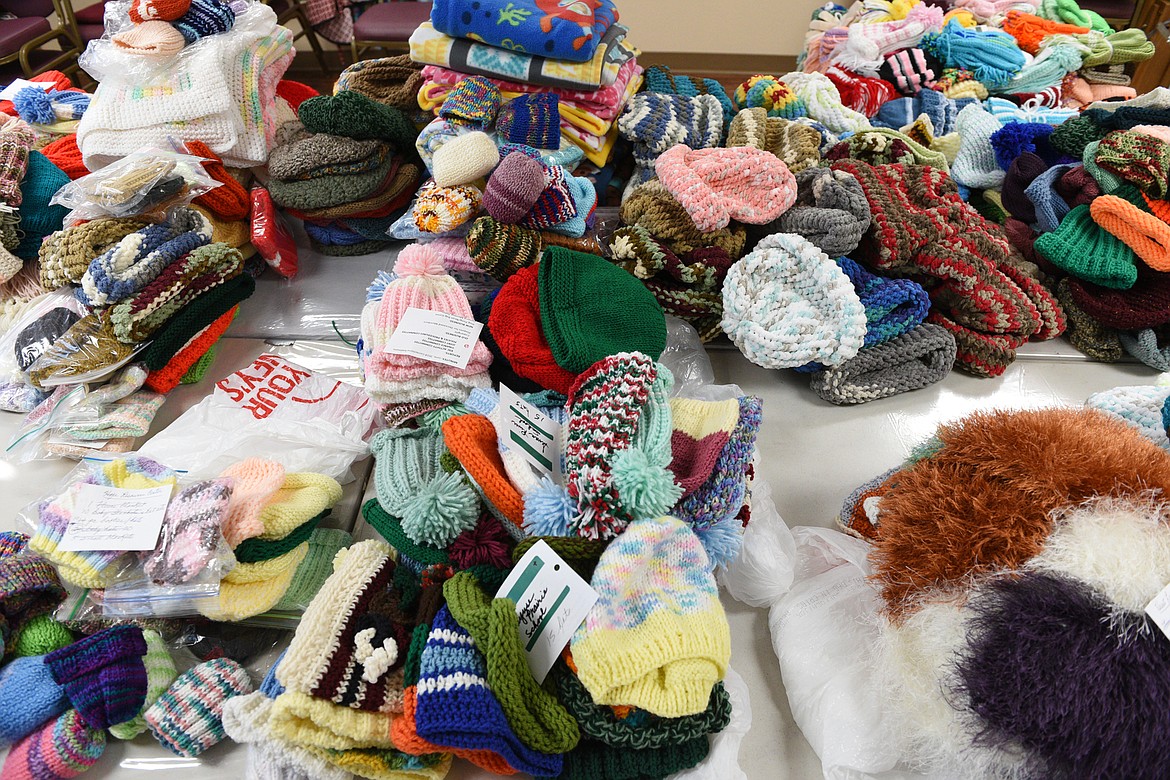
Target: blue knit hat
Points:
(456, 709)
(203, 18)
(940, 109)
(38, 219)
(29, 698)
(534, 120)
(1015, 138)
(1050, 207)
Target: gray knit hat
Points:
(300, 154)
(830, 211)
(911, 361)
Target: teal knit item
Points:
(1107, 181)
(1087, 251)
(356, 116)
(591, 309)
(991, 55)
(38, 219)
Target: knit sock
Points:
(103, 675)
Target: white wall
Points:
(718, 26)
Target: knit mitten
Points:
(103, 675)
(190, 533)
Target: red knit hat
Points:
(157, 10)
(1145, 305)
(294, 92)
(515, 325)
(229, 202)
(65, 155)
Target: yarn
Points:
(991, 55)
(1030, 30)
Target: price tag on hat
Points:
(531, 433)
(113, 518)
(435, 336)
(551, 602)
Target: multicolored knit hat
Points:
(893, 307)
(455, 708)
(63, 748)
(15, 142)
(205, 17)
(532, 119)
(700, 431)
(187, 719)
(435, 506)
(655, 122)
(910, 361)
(910, 70)
(771, 94)
(29, 587)
(653, 207)
(718, 185)
(590, 309)
(657, 638)
(474, 101)
(617, 445)
(555, 203)
(500, 249)
(103, 675)
(1139, 158)
(442, 209)
(786, 304)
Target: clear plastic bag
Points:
(87, 352)
(688, 362)
(35, 332)
(148, 182)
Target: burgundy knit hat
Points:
(514, 188)
(515, 325)
(1145, 305)
(555, 203)
(1022, 172)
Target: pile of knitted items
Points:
(222, 92)
(346, 169)
(268, 520)
(1011, 547)
(16, 140)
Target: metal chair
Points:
(287, 11)
(388, 26)
(23, 39)
(90, 22)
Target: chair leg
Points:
(311, 35)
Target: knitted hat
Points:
(1088, 252)
(258, 549)
(464, 159)
(38, 219)
(252, 589)
(1149, 346)
(653, 207)
(66, 254)
(537, 718)
(62, 748)
(394, 81)
(205, 17)
(442, 209)
(1085, 333)
(39, 636)
(718, 185)
(1137, 157)
(30, 696)
(103, 675)
(471, 438)
(975, 166)
(15, 141)
(797, 145)
(32, 341)
(190, 532)
(254, 481)
(590, 309)
(555, 203)
(302, 496)
(229, 201)
(435, 506)
(1022, 172)
(811, 312)
(1050, 208)
(515, 322)
(467, 715)
(700, 430)
(300, 154)
(531, 119)
(893, 307)
(474, 101)
(187, 718)
(152, 38)
(514, 188)
(168, 10)
(65, 155)
(160, 673)
(324, 544)
(830, 211)
(655, 122)
(354, 115)
(1144, 305)
(644, 644)
(28, 588)
(912, 360)
(770, 94)
(500, 249)
(862, 94)
(617, 445)
(1125, 215)
(910, 70)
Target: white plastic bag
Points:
(272, 409)
(688, 362)
(722, 763)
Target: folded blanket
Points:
(431, 47)
(563, 31)
(606, 101)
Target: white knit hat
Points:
(464, 159)
(786, 304)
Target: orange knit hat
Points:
(230, 201)
(471, 438)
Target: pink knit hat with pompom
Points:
(716, 186)
(422, 283)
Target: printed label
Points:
(1159, 610)
(531, 433)
(435, 336)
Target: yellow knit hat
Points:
(303, 496)
(312, 722)
(657, 638)
(249, 596)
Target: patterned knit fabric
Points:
(655, 122)
(912, 360)
(190, 533)
(160, 673)
(657, 637)
(892, 306)
(455, 708)
(15, 142)
(28, 587)
(62, 748)
(1139, 158)
(659, 78)
(475, 101)
(103, 675)
(533, 120)
(722, 494)
(700, 431)
(774, 96)
(187, 718)
(797, 145)
(500, 249)
(65, 255)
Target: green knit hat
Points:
(324, 544)
(591, 309)
(256, 549)
(354, 115)
(40, 636)
(1081, 247)
(1107, 181)
(596, 759)
(199, 368)
(160, 673)
(38, 219)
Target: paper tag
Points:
(531, 433)
(551, 601)
(435, 336)
(1159, 610)
(110, 518)
(17, 85)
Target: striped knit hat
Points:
(62, 748)
(657, 638)
(532, 119)
(28, 587)
(188, 718)
(474, 101)
(103, 675)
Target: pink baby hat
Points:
(423, 283)
(716, 186)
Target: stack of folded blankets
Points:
(559, 65)
(345, 165)
(220, 88)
